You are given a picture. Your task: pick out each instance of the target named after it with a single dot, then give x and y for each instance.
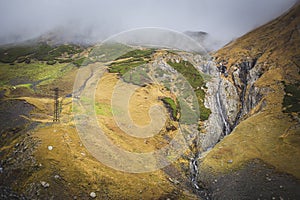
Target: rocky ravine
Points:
(255, 115)
(230, 100)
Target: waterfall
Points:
(194, 171)
(221, 109)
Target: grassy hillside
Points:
(195, 78)
(68, 170)
(39, 51)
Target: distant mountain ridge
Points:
(62, 35)
(199, 36)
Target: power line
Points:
(57, 105)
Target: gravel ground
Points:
(8, 194)
(256, 180)
(10, 112)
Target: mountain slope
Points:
(263, 68)
(49, 158)
(258, 93)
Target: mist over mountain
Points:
(92, 21)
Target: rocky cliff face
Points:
(231, 97)
(254, 106)
(242, 75)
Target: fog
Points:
(95, 20)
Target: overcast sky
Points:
(223, 19)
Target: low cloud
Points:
(95, 20)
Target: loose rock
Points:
(45, 184)
(93, 195)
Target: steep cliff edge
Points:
(258, 94)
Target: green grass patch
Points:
(103, 109)
(137, 76)
(37, 51)
(85, 99)
(45, 52)
(82, 62)
(196, 80)
(51, 62)
(109, 51)
(174, 107)
(123, 68)
(133, 59)
(38, 73)
(138, 53)
(188, 115)
(68, 60)
(9, 55)
(27, 85)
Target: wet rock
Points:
(214, 125)
(230, 100)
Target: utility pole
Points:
(57, 107)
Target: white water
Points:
(221, 111)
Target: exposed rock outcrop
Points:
(258, 89)
(230, 99)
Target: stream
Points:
(241, 82)
(221, 109)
